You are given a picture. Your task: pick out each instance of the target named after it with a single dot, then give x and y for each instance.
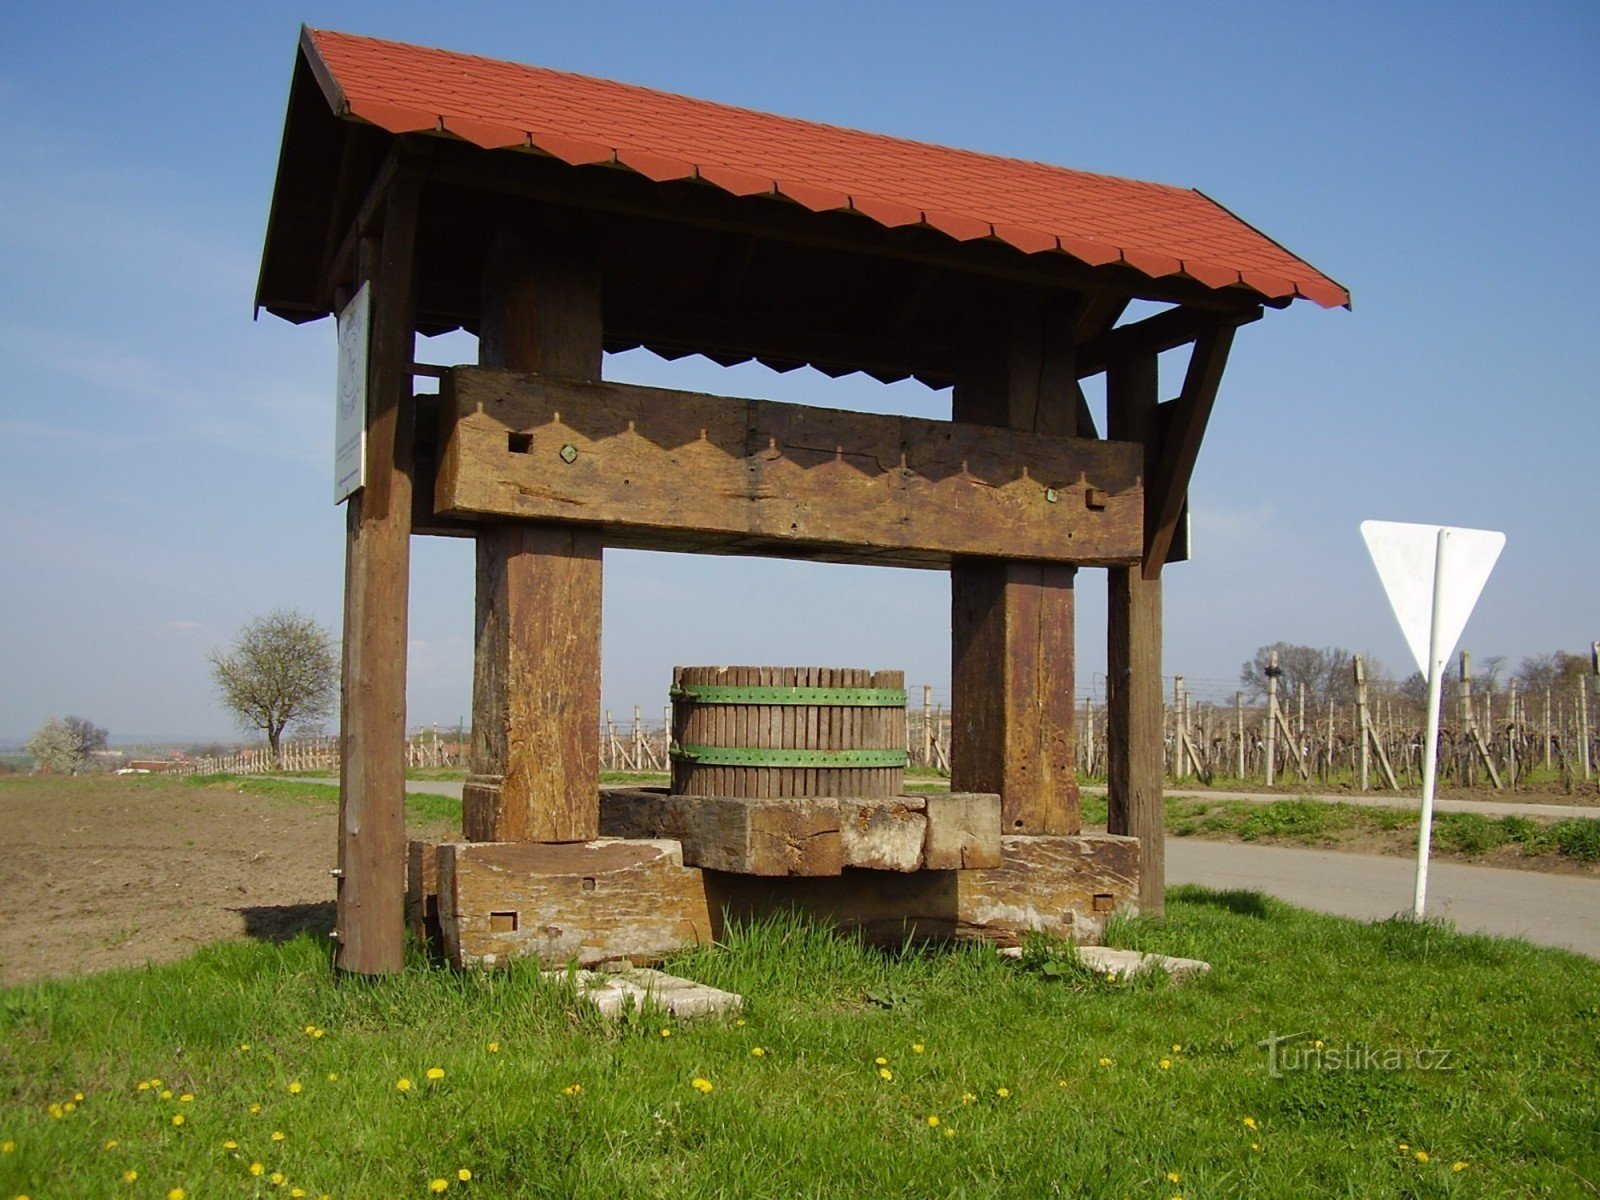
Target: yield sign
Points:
(1407, 557)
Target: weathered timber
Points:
(1166, 492)
(370, 906)
(585, 903)
(1012, 622)
(884, 833)
(609, 900)
(422, 890)
(536, 679)
(768, 836)
(1134, 726)
(963, 831)
(673, 470)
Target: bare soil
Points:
(117, 871)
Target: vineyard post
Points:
(1238, 721)
(1273, 671)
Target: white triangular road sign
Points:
(1406, 555)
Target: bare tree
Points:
(282, 671)
(91, 738)
(1322, 675)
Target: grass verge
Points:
(852, 1072)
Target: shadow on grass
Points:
(281, 922)
(1235, 900)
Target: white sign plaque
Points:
(350, 426)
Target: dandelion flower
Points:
(309, 1029)
(294, 1088)
(1173, 1177)
(1165, 1064)
(494, 1047)
(1255, 1145)
(435, 1072)
(1458, 1166)
(1003, 1093)
(166, 1094)
(1062, 1083)
(881, 1061)
(933, 1122)
(177, 1118)
(1404, 1149)
(186, 1098)
(277, 1135)
(703, 1086)
(917, 1048)
(1105, 1062)
(78, 1096)
(276, 1179)
(316, 1033)
(967, 1097)
(1422, 1156)
(254, 1109)
(244, 1047)
(1250, 1123)
(464, 1175)
(297, 1193)
(144, 1085)
(333, 1077)
(1111, 976)
(439, 1186)
(666, 1033)
(176, 1194)
(155, 1083)
(7, 1147)
(1177, 1047)
(948, 1132)
(739, 1024)
(402, 1085)
(230, 1144)
(757, 1051)
(256, 1168)
(885, 1074)
(130, 1175)
(111, 1144)
(572, 1089)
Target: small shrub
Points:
(1578, 838)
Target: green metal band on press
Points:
(752, 756)
(707, 693)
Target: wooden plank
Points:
(651, 465)
(536, 682)
(963, 831)
(1166, 492)
(585, 903)
(370, 907)
(1134, 731)
(752, 836)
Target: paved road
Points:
(1489, 808)
(1551, 910)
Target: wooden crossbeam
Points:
(1153, 335)
(663, 469)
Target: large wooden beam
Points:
(1012, 623)
(536, 681)
(1167, 491)
(678, 470)
(370, 908)
(1154, 335)
(1133, 658)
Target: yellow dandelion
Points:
(297, 1193)
(1111, 976)
(881, 1061)
(1003, 1093)
(310, 1029)
(294, 1088)
(967, 1098)
(7, 1147)
(130, 1175)
(494, 1047)
(166, 1093)
(230, 1144)
(1165, 1064)
(933, 1122)
(1177, 1047)
(1173, 1177)
(69, 1107)
(333, 1077)
(758, 1051)
(703, 1086)
(256, 1168)
(739, 1024)
(277, 1135)
(276, 1179)
(316, 1033)
(1250, 1123)
(438, 1186)
(1062, 1083)
(155, 1083)
(244, 1047)
(255, 1109)
(1404, 1149)
(402, 1085)
(78, 1096)
(1422, 1156)
(1105, 1062)
(177, 1118)
(464, 1175)
(948, 1132)
(885, 1073)
(111, 1144)
(572, 1089)
(435, 1072)
(666, 1033)
(1255, 1145)
(1317, 1045)
(1458, 1166)
(186, 1098)
(56, 1111)
(917, 1048)
(176, 1194)
(144, 1085)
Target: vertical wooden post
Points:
(370, 907)
(1012, 623)
(1238, 731)
(1133, 652)
(1362, 721)
(536, 680)
(1583, 724)
(1272, 717)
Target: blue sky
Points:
(166, 459)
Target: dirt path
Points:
(114, 871)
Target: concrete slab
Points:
(642, 987)
(1128, 963)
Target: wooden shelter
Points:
(558, 217)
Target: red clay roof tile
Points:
(1037, 208)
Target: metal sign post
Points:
(1433, 576)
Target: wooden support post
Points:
(536, 681)
(370, 908)
(1272, 718)
(1133, 660)
(1238, 730)
(1012, 652)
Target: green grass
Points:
(811, 1116)
(421, 807)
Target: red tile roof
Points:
(1038, 208)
